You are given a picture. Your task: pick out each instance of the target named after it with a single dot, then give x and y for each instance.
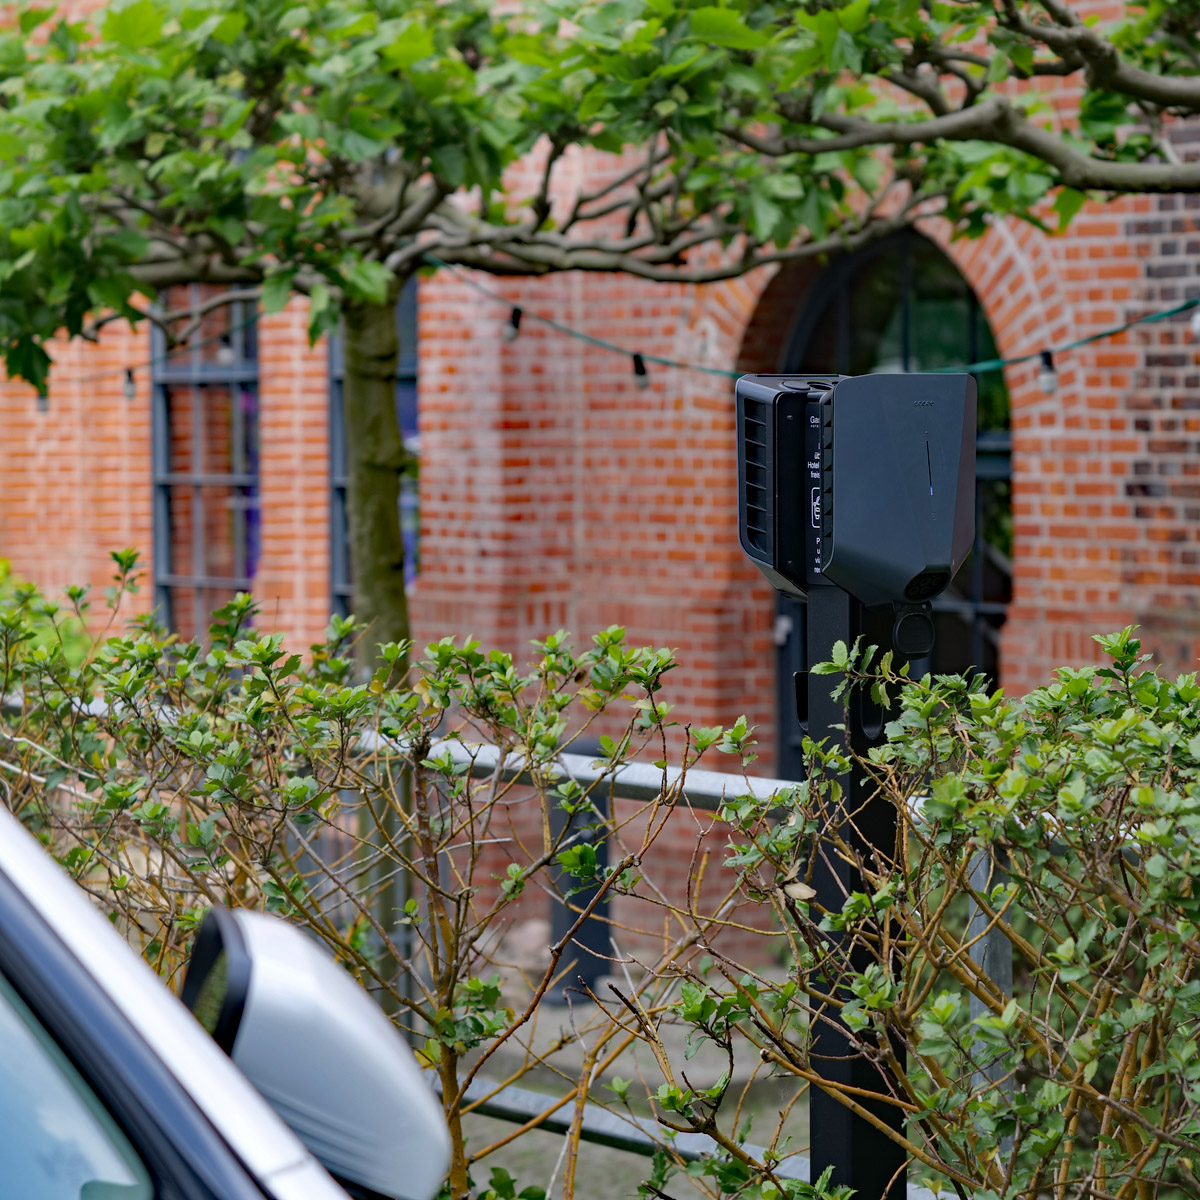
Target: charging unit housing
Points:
(865, 481)
(855, 493)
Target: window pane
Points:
(406, 328)
(215, 530)
(57, 1142)
(406, 407)
(178, 403)
(207, 441)
(876, 317)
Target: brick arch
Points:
(1016, 274)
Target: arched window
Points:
(902, 305)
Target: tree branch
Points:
(1104, 68)
(993, 120)
(193, 268)
(539, 258)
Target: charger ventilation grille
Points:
(760, 486)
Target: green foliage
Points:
(1069, 821)
(304, 146)
(27, 618)
(167, 775)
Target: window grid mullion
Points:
(209, 472)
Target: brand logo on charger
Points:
(922, 404)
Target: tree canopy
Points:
(324, 146)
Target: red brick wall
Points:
(75, 481)
(555, 493)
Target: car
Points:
(291, 1085)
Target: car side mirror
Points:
(321, 1052)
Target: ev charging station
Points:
(855, 493)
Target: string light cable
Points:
(1047, 374)
(975, 368)
(127, 373)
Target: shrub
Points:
(1070, 821)
(170, 775)
(43, 623)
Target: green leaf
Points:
(1066, 204)
(358, 147)
(783, 186)
(414, 44)
(129, 243)
(765, 214)
(138, 23)
(276, 291)
(745, 79)
(723, 27)
(320, 311)
(1022, 57)
(31, 18)
(229, 28)
(450, 162)
(371, 280)
(855, 15)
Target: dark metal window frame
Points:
(341, 579)
(191, 369)
(993, 461)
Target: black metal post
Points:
(862, 1156)
(590, 951)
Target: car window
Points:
(57, 1142)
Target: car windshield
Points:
(57, 1142)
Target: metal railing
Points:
(705, 790)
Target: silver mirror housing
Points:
(321, 1051)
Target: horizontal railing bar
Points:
(636, 1135)
(632, 781)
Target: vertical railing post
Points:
(991, 951)
(590, 949)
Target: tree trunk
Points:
(374, 461)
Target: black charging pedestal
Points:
(862, 1156)
(856, 492)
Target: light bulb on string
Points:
(225, 351)
(1047, 376)
(43, 401)
(130, 387)
(513, 328)
(640, 376)
(1195, 324)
